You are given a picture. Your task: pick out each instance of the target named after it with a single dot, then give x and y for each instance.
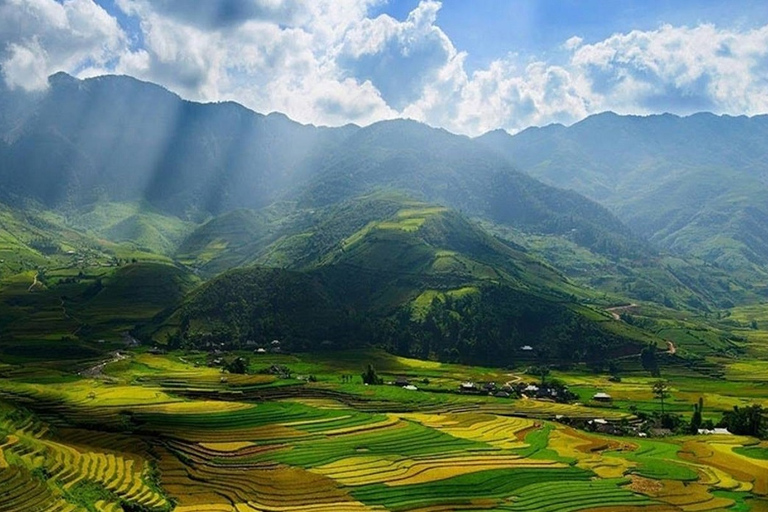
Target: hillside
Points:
(63, 149)
(419, 280)
(455, 171)
(694, 185)
(61, 312)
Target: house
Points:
(602, 397)
(402, 382)
(410, 387)
(714, 431)
(489, 386)
(501, 394)
(526, 348)
(260, 351)
(468, 387)
(531, 388)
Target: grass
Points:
(490, 485)
(753, 452)
(657, 460)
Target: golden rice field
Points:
(112, 445)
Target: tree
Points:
(648, 359)
(370, 377)
(696, 418)
(660, 392)
(753, 324)
(541, 371)
(745, 421)
(238, 365)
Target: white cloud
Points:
(573, 43)
(678, 68)
(330, 62)
(40, 37)
(399, 58)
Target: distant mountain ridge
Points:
(695, 185)
(121, 139)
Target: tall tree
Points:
(661, 392)
(696, 418)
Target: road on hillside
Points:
(96, 371)
(35, 282)
(616, 311)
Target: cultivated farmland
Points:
(154, 434)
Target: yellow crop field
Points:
(371, 470)
(588, 452)
(498, 431)
(194, 407)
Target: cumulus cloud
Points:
(331, 62)
(40, 37)
(399, 58)
(678, 68)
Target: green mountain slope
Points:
(135, 223)
(59, 310)
(120, 139)
(421, 280)
(457, 172)
(695, 185)
(116, 139)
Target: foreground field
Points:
(160, 433)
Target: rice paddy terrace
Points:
(165, 432)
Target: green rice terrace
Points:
(204, 309)
(175, 431)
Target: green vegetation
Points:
(278, 323)
(378, 445)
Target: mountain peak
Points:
(61, 78)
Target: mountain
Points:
(440, 167)
(116, 139)
(694, 185)
(385, 218)
(120, 139)
(418, 278)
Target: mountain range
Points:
(424, 241)
(694, 185)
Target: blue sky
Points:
(488, 29)
(466, 65)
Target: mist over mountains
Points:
(621, 187)
(118, 139)
(694, 185)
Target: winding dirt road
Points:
(96, 371)
(35, 282)
(616, 311)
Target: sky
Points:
(469, 66)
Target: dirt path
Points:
(96, 371)
(64, 309)
(35, 282)
(616, 311)
(671, 348)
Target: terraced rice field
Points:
(63, 451)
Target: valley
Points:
(252, 314)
